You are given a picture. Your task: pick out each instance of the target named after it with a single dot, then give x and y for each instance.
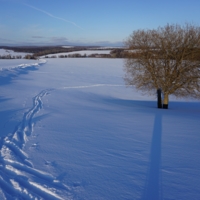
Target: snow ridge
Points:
(90, 86)
(22, 66)
(7, 74)
(41, 62)
(16, 168)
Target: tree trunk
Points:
(166, 100)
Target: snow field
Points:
(70, 129)
(82, 53)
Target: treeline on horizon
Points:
(34, 52)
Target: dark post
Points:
(159, 98)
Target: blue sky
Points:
(88, 22)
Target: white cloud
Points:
(37, 37)
(35, 30)
(59, 39)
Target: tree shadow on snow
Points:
(153, 184)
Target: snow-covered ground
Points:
(70, 129)
(84, 52)
(4, 52)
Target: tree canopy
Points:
(167, 58)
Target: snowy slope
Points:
(4, 52)
(70, 129)
(84, 52)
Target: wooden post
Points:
(159, 98)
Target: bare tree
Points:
(167, 58)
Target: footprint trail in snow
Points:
(18, 177)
